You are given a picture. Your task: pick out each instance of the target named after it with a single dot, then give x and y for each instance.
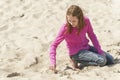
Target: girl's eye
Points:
(73, 21)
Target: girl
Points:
(74, 33)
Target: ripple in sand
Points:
(5, 27)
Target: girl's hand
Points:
(74, 64)
(104, 55)
(53, 68)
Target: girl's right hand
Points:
(53, 68)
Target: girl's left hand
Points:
(104, 55)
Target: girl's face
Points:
(73, 20)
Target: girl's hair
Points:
(75, 10)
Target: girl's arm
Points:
(59, 38)
(93, 37)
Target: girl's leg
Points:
(110, 59)
(87, 57)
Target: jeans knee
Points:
(102, 62)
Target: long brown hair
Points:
(75, 10)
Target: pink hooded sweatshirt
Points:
(74, 42)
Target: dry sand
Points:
(27, 28)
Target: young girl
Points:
(74, 33)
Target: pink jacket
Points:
(75, 42)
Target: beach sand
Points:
(28, 27)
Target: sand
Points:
(27, 28)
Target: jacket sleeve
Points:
(93, 37)
(59, 38)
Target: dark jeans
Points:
(91, 57)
